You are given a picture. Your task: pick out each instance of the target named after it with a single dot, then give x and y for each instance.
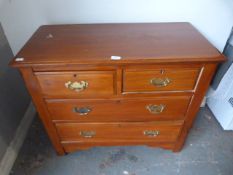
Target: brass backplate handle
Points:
(151, 133)
(87, 134)
(160, 82)
(76, 86)
(81, 110)
(155, 109)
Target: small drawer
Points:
(168, 79)
(76, 84)
(160, 131)
(144, 109)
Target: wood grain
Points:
(140, 80)
(135, 43)
(118, 91)
(100, 83)
(168, 131)
(118, 110)
(203, 84)
(34, 90)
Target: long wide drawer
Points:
(76, 84)
(160, 131)
(146, 109)
(168, 79)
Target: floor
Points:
(208, 151)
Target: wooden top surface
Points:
(135, 43)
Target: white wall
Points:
(1, 1)
(213, 18)
(20, 18)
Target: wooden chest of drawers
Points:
(150, 96)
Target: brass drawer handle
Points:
(87, 134)
(151, 133)
(76, 86)
(155, 109)
(81, 111)
(160, 82)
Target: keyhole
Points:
(162, 71)
(75, 75)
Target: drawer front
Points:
(161, 131)
(160, 108)
(170, 79)
(76, 84)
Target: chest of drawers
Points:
(150, 96)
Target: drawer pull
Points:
(155, 109)
(76, 86)
(160, 82)
(82, 111)
(151, 133)
(87, 134)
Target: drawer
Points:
(144, 109)
(76, 84)
(170, 79)
(160, 131)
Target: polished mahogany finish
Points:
(134, 109)
(148, 97)
(160, 131)
(52, 83)
(139, 80)
(135, 43)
